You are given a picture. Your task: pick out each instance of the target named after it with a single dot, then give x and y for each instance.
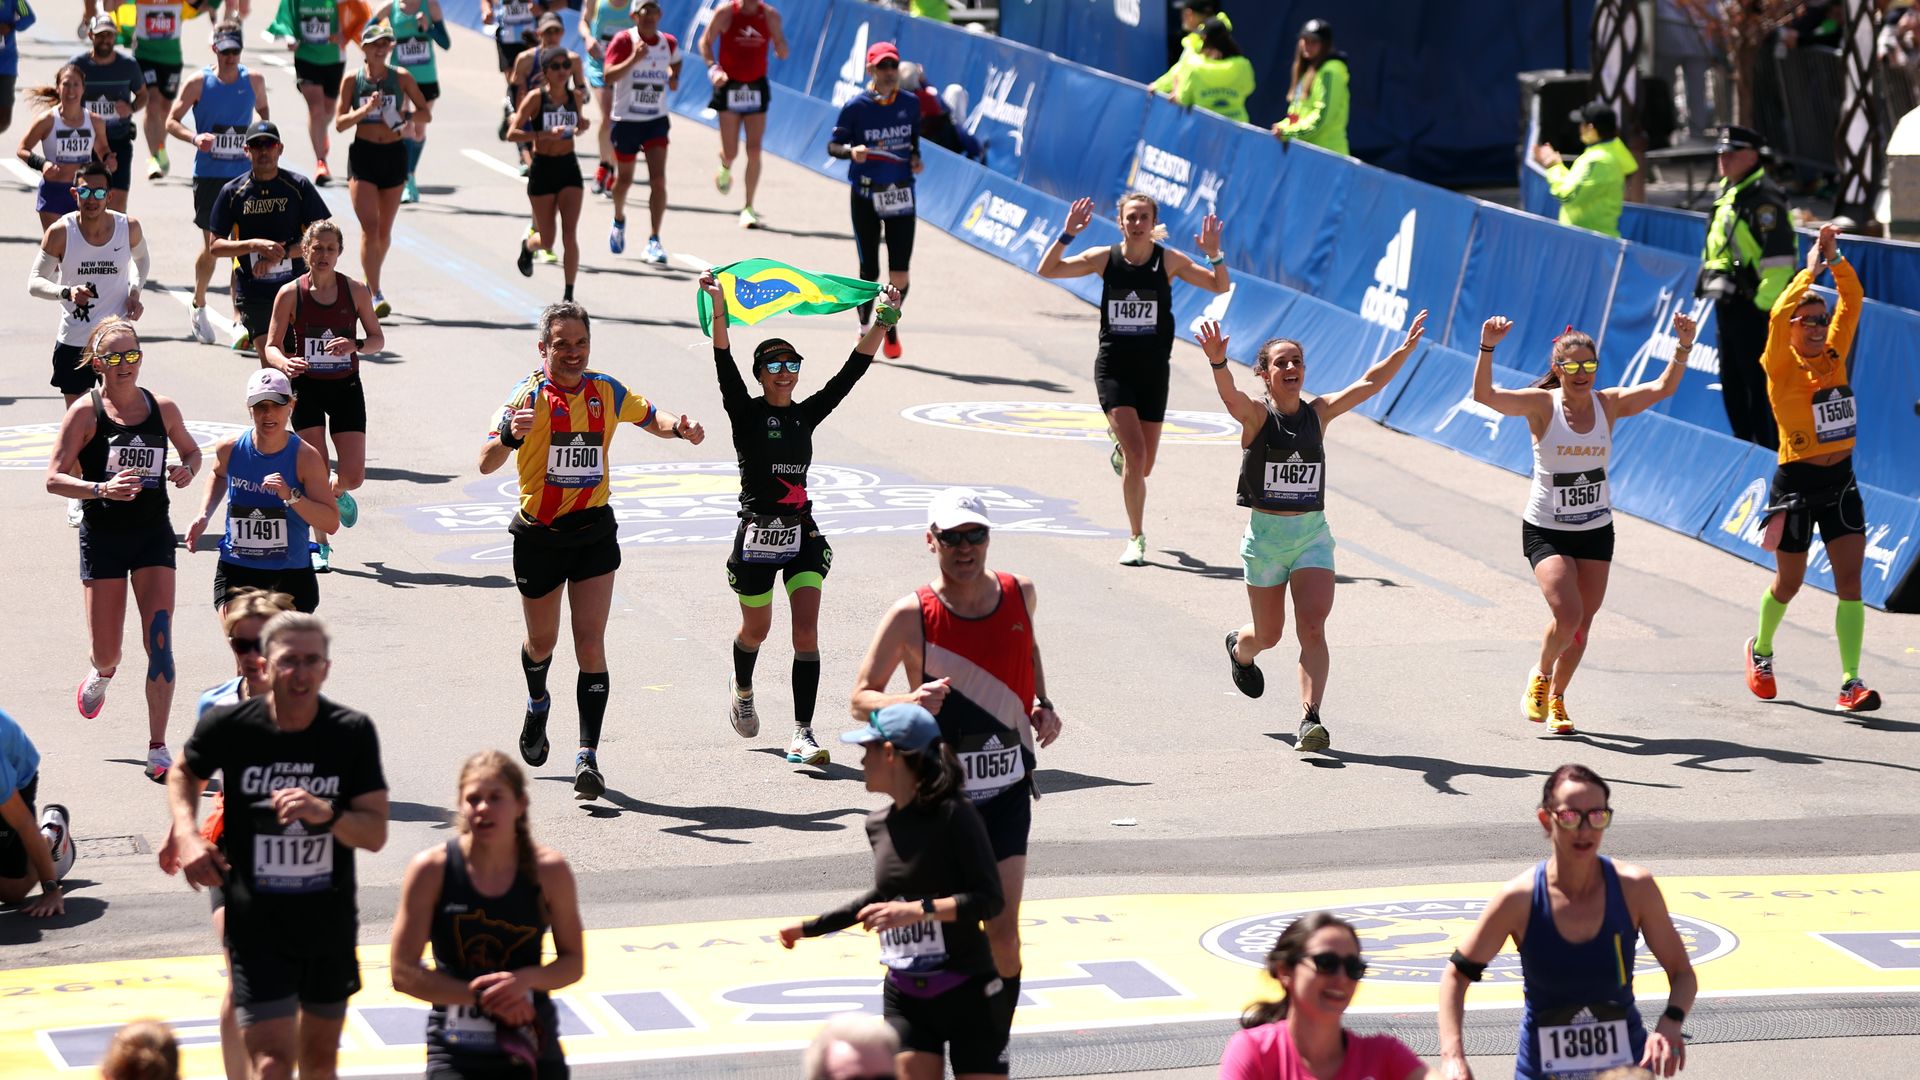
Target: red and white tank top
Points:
(989, 664)
(743, 47)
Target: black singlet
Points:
(1286, 467)
(113, 449)
(473, 935)
(1136, 308)
(775, 444)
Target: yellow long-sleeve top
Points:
(1812, 401)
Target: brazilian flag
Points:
(759, 289)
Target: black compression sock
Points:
(591, 694)
(536, 674)
(568, 295)
(806, 687)
(743, 659)
(866, 313)
(903, 295)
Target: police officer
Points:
(1592, 191)
(1748, 260)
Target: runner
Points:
(224, 100)
(1567, 528)
(516, 31)
(1316, 960)
(600, 23)
(734, 46)
(485, 900)
(116, 89)
(156, 48)
(879, 132)
(322, 322)
(1136, 333)
(773, 437)
(35, 851)
(377, 102)
(15, 16)
(417, 28)
(60, 140)
(643, 67)
(971, 657)
(308, 771)
(547, 120)
(934, 883)
(1572, 918)
(264, 474)
(1283, 482)
(313, 31)
(557, 424)
(258, 220)
(1806, 362)
(112, 454)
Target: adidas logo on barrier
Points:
(1127, 11)
(1216, 311)
(852, 81)
(1383, 304)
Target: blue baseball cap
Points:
(906, 725)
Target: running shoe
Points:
(804, 750)
(740, 712)
(525, 168)
(411, 192)
(202, 326)
(1118, 460)
(723, 179)
(588, 783)
(158, 762)
(749, 219)
(321, 555)
(533, 734)
(242, 341)
(1247, 678)
(525, 261)
(76, 510)
(321, 174)
(617, 237)
(892, 346)
(56, 824)
(1760, 673)
(656, 253)
(1136, 552)
(506, 119)
(600, 179)
(381, 309)
(91, 694)
(1558, 722)
(546, 257)
(1855, 697)
(1534, 705)
(157, 165)
(349, 509)
(1313, 735)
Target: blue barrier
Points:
(1437, 405)
(1885, 373)
(1401, 247)
(1670, 472)
(1505, 263)
(1073, 147)
(1129, 39)
(1181, 160)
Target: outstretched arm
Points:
(1056, 263)
(1635, 399)
(1212, 277)
(1249, 412)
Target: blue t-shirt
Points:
(19, 761)
(227, 693)
(890, 130)
(16, 16)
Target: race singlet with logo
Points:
(990, 764)
(293, 861)
(646, 100)
(1578, 498)
(1588, 1041)
(770, 540)
(413, 52)
(894, 200)
(316, 30)
(574, 459)
(920, 946)
(1133, 316)
(130, 450)
(71, 146)
(559, 121)
(259, 532)
(1833, 414)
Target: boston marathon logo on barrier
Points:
(1661, 343)
(698, 502)
(1746, 521)
(1410, 941)
(29, 445)
(1068, 420)
(1169, 179)
(1003, 223)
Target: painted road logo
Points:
(1409, 941)
(1067, 420)
(28, 445)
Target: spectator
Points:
(1193, 15)
(852, 1046)
(1220, 79)
(143, 1050)
(33, 851)
(1680, 42)
(1900, 44)
(1748, 259)
(940, 119)
(1592, 191)
(1319, 101)
(932, 9)
(1817, 22)
(15, 16)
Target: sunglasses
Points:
(262, 144)
(1813, 320)
(775, 367)
(1571, 819)
(1327, 963)
(887, 65)
(115, 359)
(243, 646)
(85, 193)
(1572, 367)
(975, 535)
(558, 65)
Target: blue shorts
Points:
(632, 136)
(55, 198)
(1275, 546)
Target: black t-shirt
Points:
(280, 210)
(293, 884)
(109, 84)
(775, 445)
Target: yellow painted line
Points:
(719, 987)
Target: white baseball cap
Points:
(269, 384)
(955, 507)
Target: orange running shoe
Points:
(1760, 673)
(1534, 705)
(1855, 697)
(1558, 722)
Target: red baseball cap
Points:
(882, 50)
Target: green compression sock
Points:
(1771, 612)
(1850, 625)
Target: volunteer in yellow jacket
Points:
(1318, 104)
(1220, 79)
(1193, 15)
(1806, 365)
(1593, 190)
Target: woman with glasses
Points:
(60, 140)
(378, 102)
(773, 437)
(1577, 919)
(549, 117)
(112, 454)
(1316, 960)
(1567, 528)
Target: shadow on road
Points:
(408, 476)
(1704, 754)
(1438, 773)
(709, 822)
(411, 579)
(972, 379)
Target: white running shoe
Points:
(740, 714)
(56, 825)
(1136, 552)
(202, 326)
(805, 750)
(75, 511)
(91, 693)
(158, 762)
(656, 253)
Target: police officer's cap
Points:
(1599, 114)
(1199, 7)
(1735, 137)
(1319, 29)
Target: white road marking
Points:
(19, 168)
(493, 163)
(220, 322)
(692, 262)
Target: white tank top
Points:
(69, 144)
(1570, 473)
(104, 268)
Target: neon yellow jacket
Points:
(1189, 49)
(1221, 86)
(1319, 116)
(933, 9)
(1592, 191)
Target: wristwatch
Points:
(51, 885)
(1674, 1013)
(927, 905)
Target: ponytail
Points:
(49, 96)
(937, 773)
(1288, 950)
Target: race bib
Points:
(1133, 317)
(1585, 1047)
(73, 146)
(1579, 497)
(894, 200)
(743, 98)
(515, 15)
(104, 108)
(229, 143)
(1833, 414)
(283, 268)
(559, 122)
(990, 764)
(1295, 481)
(316, 29)
(388, 113)
(131, 452)
(920, 946)
(772, 540)
(413, 52)
(469, 1028)
(646, 100)
(293, 862)
(321, 362)
(258, 532)
(573, 460)
(156, 23)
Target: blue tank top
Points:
(225, 110)
(608, 20)
(261, 532)
(1579, 1018)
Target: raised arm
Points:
(1376, 378)
(1212, 277)
(1213, 343)
(1531, 404)
(1628, 400)
(1057, 264)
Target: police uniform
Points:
(1748, 259)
